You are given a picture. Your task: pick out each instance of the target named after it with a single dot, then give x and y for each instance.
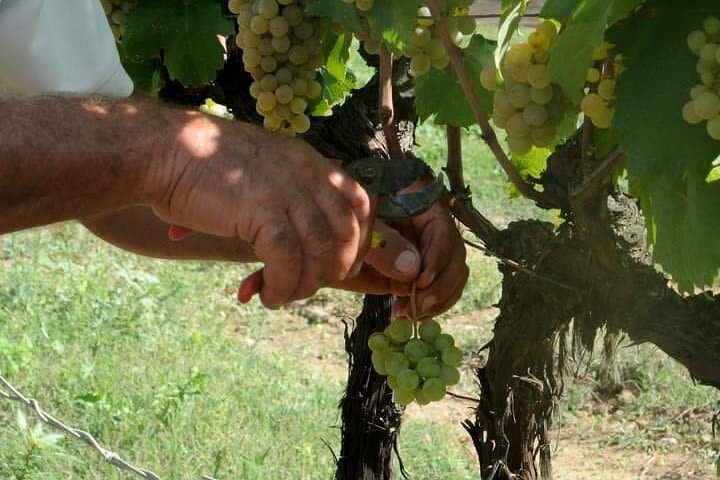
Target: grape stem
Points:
(460, 200)
(386, 108)
(488, 134)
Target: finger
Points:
(340, 216)
(361, 203)
(441, 244)
(177, 232)
(320, 258)
(250, 286)
(372, 282)
(444, 292)
(396, 257)
(278, 246)
(366, 235)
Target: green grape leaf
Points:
(559, 9)
(393, 20)
(684, 225)
(146, 73)
(508, 26)
(337, 80)
(654, 88)
(438, 93)
(571, 55)
(621, 9)
(530, 166)
(343, 13)
(186, 34)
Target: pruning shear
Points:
(382, 179)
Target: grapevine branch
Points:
(386, 109)
(481, 117)
(460, 200)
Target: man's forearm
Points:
(68, 158)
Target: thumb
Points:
(396, 257)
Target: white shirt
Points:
(62, 47)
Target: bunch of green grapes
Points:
(282, 50)
(526, 104)
(425, 49)
(420, 363)
(705, 96)
(598, 104)
(116, 12)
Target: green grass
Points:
(157, 360)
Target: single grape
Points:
(707, 105)
(420, 397)
(696, 41)
(707, 52)
(408, 380)
(601, 52)
(268, 64)
(378, 360)
(428, 367)
(434, 389)
(420, 36)
(606, 89)
(255, 89)
(444, 341)
(541, 96)
(251, 58)
(449, 375)
(488, 78)
(534, 115)
(548, 29)
(268, 8)
(284, 75)
(400, 329)
(284, 94)
(272, 123)
(517, 126)
(267, 100)
(258, 25)
(452, 357)
(425, 17)
(713, 128)
(712, 26)
(378, 341)
(519, 95)
(298, 105)
(429, 330)
(396, 362)
(500, 121)
(603, 118)
(282, 111)
(593, 75)
(298, 54)
(403, 397)
(538, 41)
(519, 145)
(435, 48)
(364, 5)
(278, 26)
(392, 382)
(689, 114)
(592, 104)
(250, 38)
(519, 71)
(440, 63)
(293, 14)
(697, 90)
(543, 135)
(502, 104)
(303, 30)
(314, 89)
(416, 350)
(420, 64)
(518, 53)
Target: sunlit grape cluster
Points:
(425, 49)
(419, 360)
(527, 105)
(282, 50)
(598, 104)
(705, 96)
(116, 12)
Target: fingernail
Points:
(407, 261)
(355, 270)
(428, 303)
(428, 280)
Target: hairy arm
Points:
(67, 158)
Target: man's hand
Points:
(443, 273)
(308, 221)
